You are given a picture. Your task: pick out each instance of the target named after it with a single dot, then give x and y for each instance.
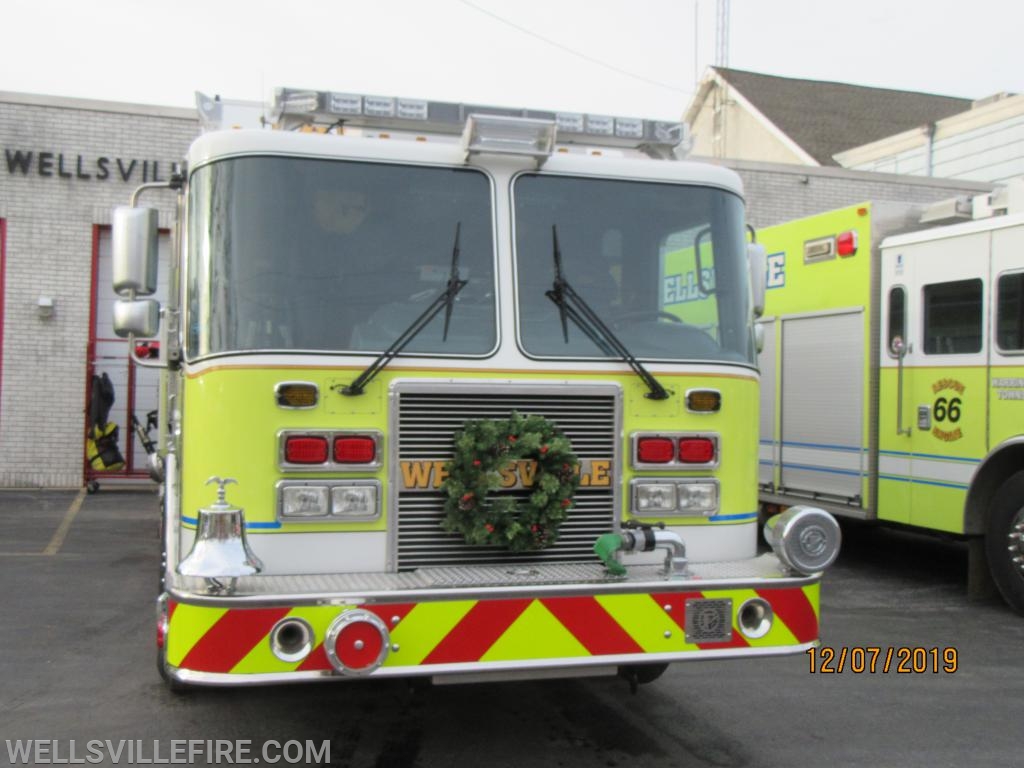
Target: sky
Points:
(640, 58)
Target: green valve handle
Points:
(605, 548)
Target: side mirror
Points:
(134, 246)
(140, 317)
(757, 257)
(759, 337)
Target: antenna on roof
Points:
(721, 33)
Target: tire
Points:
(1004, 541)
(643, 673)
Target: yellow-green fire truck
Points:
(461, 393)
(893, 371)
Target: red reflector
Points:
(354, 450)
(846, 243)
(359, 645)
(654, 450)
(697, 450)
(305, 450)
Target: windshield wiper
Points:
(571, 306)
(446, 301)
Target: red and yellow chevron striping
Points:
(559, 629)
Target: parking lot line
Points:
(65, 525)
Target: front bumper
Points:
(465, 622)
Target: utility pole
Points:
(720, 103)
(721, 33)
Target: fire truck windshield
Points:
(319, 255)
(662, 265)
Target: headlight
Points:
(697, 497)
(654, 498)
(328, 501)
(304, 500)
(682, 497)
(805, 539)
(354, 501)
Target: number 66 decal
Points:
(947, 409)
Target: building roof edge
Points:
(95, 105)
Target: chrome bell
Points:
(220, 550)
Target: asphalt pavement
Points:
(79, 576)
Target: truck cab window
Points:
(953, 317)
(1010, 313)
(296, 254)
(897, 316)
(661, 264)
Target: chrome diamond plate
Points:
(441, 583)
(471, 576)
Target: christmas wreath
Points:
(489, 454)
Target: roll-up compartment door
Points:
(823, 404)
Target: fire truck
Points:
(458, 393)
(893, 371)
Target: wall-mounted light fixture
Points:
(46, 307)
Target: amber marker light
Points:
(704, 401)
(297, 394)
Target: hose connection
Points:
(643, 538)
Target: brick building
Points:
(66, 164)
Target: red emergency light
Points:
(655, 450)
(696, 450)
(354, 449)
(675, 449)
(846, 243)
(305, 450)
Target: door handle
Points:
(899, 348)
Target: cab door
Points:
(937, 404)
(1006, 394)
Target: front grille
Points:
(427, 419)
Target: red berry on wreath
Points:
(511, 438)
(476, 462)
(566, 502)
(544, 449)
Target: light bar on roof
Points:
(294, 108)
(629, 127)
(570, 122)
(300, 102)
(502, 135)
(599, 125)
(344, 104)
(411, 109)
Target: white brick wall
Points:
(49, 250)
(777, 193)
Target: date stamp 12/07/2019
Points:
(904, 660)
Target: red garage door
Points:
(135, 389)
